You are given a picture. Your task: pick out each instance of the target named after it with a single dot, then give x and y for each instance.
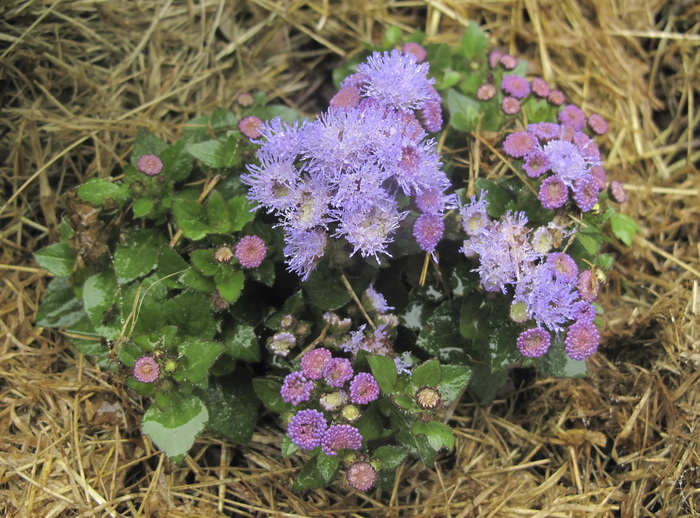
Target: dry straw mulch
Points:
(78, 79)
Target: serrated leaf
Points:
(204, 261)
(455, 379)
(177, 162)
(99, 190)
(99, 294)
(391, 457)
(197, 281)
(427, 374)
(174, 429)
(217, 213)
(233, 407)
(242, 343)
(59, 306)
(142, 207)
(288, 447)
(438, 434)
(474, 42)
(229, 283)
(146, 143)
(223, 119)
(191, 312)
(268, 391)
(241, 211)
(58, 259)
(325, 288)
(191, 218)
(463, 110)
(217, 153)
(200, 356)
(623, 227)
(138, 254)
(317, 472)
(384, 371)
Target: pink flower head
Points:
(431, 116)
(597, 124)
(250, 126)
(617, 192)
(519, 144)
(251, 251)
(510, 105)
(584, 311)
(533, 342)
(516, 86)
(361, 476)
(296, 388)
(536, 163)
(347, 97)
(563, 266)
(588, 286)
(150, 165)
(428, 230)
(556, 97)
(598, 172)
(341, 437)
(313, 363)
(553, 193)
(486, 92)
(540, 87)
(146, 369)
(573, 116)
(418, 50)
(586, 193)
(508, 62)
(544, 130)
(363, 388)
(494, 58)
(337, 372)
(582, 339)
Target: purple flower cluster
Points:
(546, 286)
(339, 175)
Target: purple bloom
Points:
(486, 92)
(474, 216)
(280, 343)
(251, 251)
(516, 86)
(341, 437)
(556, 97)
(617, 192)
(586, 193)
(296, 388)
(433, 201)
(273, 183)
(306, 429)
(587, 147)
(566, 161)
(549, 298)
(375, 301)
(304, 250)
(280, 140)
(396, 79)
(347, 97)
(369, 224)
(337, 372)
(540, 87)
(553, 193)
(361, 476)
(363, 388)
(597, 124)
(150, 165)
(313, 363)
(431, 116)
(508, 62)
(519, 144)
(146, 369)
(510, 105)
(536, 163)
(542, 240)
(582, 340)
(250, 126)
(533, 342)
(428, 230)
(563, 266)
(584, 311)
(544, 130)
(598, 173)
(573, 116)
(418, 50)
(588, 286)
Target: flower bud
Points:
(350, 413)
(428, 398)
(223, 254)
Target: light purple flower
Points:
(296, 388)
(536, 163)
(508, 62)
(313, 363)
(566, 161)
(150, 165)
(544, 130)
(584, 311)
(573, 116)
(617, 192)
(304, 249)
(474, 216)
(516, 86)
(337, 372)
(553, 193)
(306, 429)
(533, 342)
(427, 230)
(251, 251)
(556, 97)
(588, 286)
(586, 193)
(347, 97)
(563, 266)
(280, 343)
(376, 301)
(597, 124)
(598, 172)
(510, 105)
(341, 437)
(361, 476)
(549, 298)
(519, 144)
(146, 369)
(582, 340)
(540, 87)
(250, 126)
(363, 388)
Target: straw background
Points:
(79, 78)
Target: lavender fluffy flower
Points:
(280, 140)
(566, 161)
(474, 216)
(536, 163)
(586, 193)
(573, 116)
(341, 437)
(304, 249)
(427, 230)
(396, 79)
(296, 388)
(306, 429)
(375, 301)
(563, 266)
(273, 183)
(584, 311)
(363, 388)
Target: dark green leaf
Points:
(497, 197)
(177, 162)
(265, 273)
(170, 266)
(191, 218)
(204, 261)
(197, 281)
(58, 259)
(217, 213)
(590, 242)
(427, 374)
(242, 343)
(143, 207)
(268, 391)
(191, 312)
(200, 356)
(229, 282)
(241, 211)
(440, 336)
(59, 305)
(138, 254)
(99, 294)
(455, 379)
(391, 457)
(146, 144)
(438, 434)
(288, 447)
(384, 371)
(326, 289)
(98, 190)
(317, 473)
(485, 383)
(463, 110)
(474, 42)
(233, 407)
(223, 119)
(217, 153)
(175, 428)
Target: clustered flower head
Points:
(251, 251)
(546, 286)
(146, 369)
(340, 175)
(150, 165)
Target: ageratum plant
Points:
(346, 273)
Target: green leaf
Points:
(58, 259)
(326, 289)
(265, 273)
(99, 294)
(59, 306)
(143, 207)
(170, 266)
(474, 42)
(440, 336)
(242, 343)
(473, 318)
(486, 383)
(623, 227)
(317, 473)
(438, 434)
(497, 197)
(229, 282)
(191, 312)
(427, 374)
(200, 355)
(268, 391)
(177, 162)
(392, 36)
(455, 379)
(138, 254)
(191, 218)
(174, 429)
(217, 153)
(590, 242)
(558, 364)
(241, 211)
(391, 457)
(384, 371)
(233, 407)
(217, 213)
(463, 110)
(288, 447)
(204, 261)
(99, 190)
(197, 281)
(146, 144)
(223, 119)
(147, 299)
